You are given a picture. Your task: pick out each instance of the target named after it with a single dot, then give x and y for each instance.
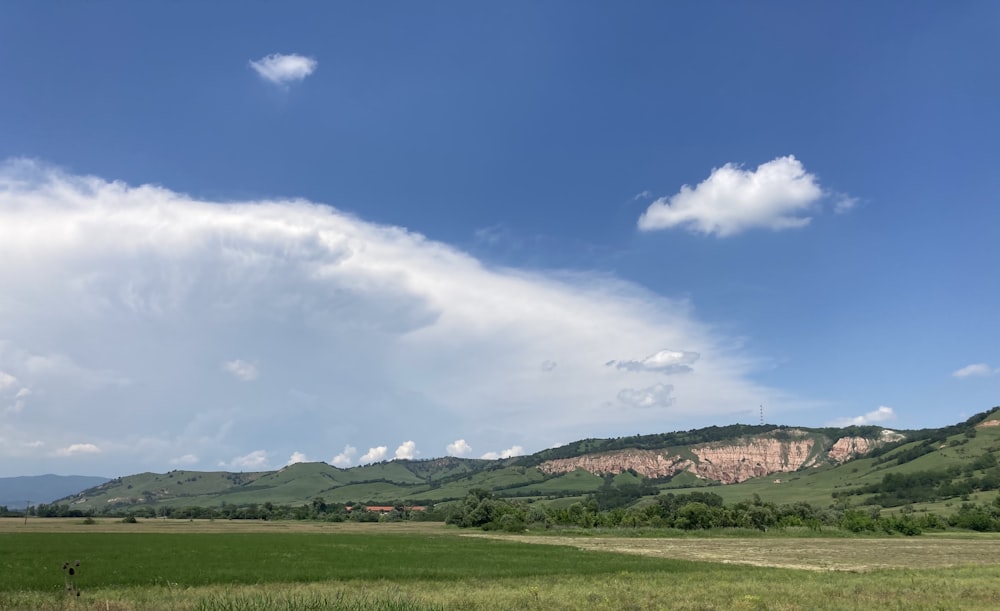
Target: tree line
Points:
(317, 509)
(482, 509)
(706, 510)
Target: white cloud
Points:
(11, 390)
(407, 450)
(256, 460)
(459, 447)
(974, 370)
(185, 460)
(657, 395)
(77, 449)
(242, 370)
(492, 235)
(297, 457)
(882, 414)
(345, 458)
(664, 361)
(508, 453)
(778, 195)
(844, 203)
(62, 367)
(283, 69)
(6, 380)
(388, 333)
(374, 455)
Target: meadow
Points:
(166, 564)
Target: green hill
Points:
(853, 466)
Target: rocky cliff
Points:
(648, 463)
(731, 463)
(728, 462)
(847, 448)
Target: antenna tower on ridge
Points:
(762, 415)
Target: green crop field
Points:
(160, 564)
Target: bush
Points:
(511, 523)
(858, 521)
(974, 517)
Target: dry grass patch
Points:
(820, 554)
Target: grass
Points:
(32, 561)
(163, 564)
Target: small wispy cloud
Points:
(664, 361)
(281, 69)
(657, 395)
(882, 414)
(242, 370)
(185, 460)
(346, 458)
(494, 234)
(7, 380)
(78, 448)
(11, 388)
(974, 370)
(459, 447)
(844, 203)
(258, 459)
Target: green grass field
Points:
(236, 565)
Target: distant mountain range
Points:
(822, 466)
(18, 492)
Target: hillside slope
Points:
(822, 466)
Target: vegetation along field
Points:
(737, 517)
(172, 564)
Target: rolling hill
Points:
(821, 466)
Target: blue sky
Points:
(234, 235)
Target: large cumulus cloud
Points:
(133, 317)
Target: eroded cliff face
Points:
(648, 463)
(726, 462)
(733, 463)
(846, 448)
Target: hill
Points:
(821, 466)
(18, 492)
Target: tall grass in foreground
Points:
(298, 601)
(748, 588)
